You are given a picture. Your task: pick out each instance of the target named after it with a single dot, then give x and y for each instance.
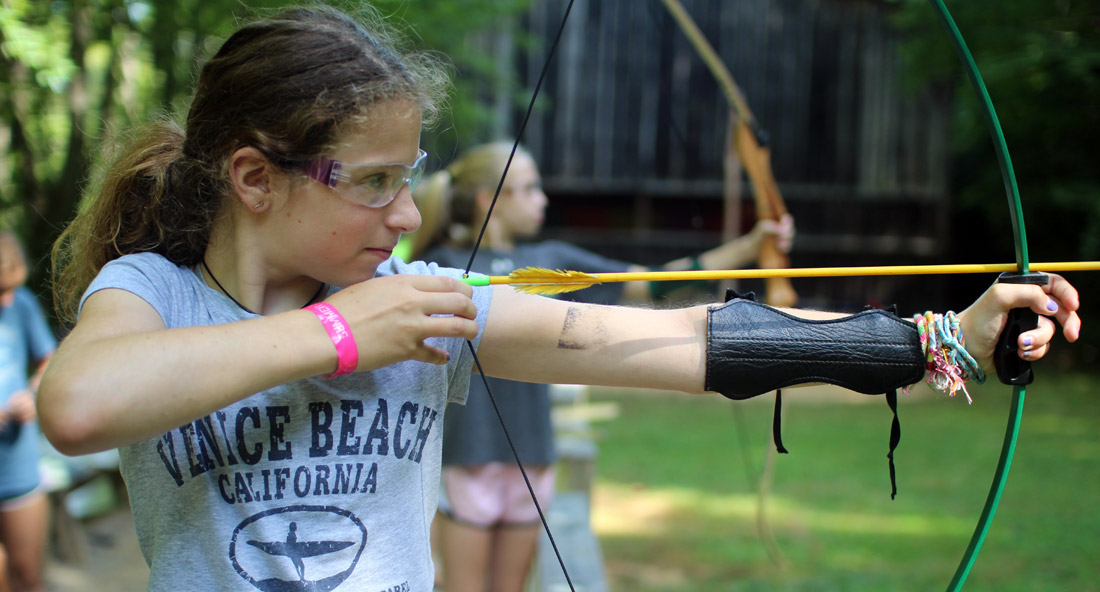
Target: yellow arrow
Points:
(538, 280)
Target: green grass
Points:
(675, 502)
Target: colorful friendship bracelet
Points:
(948, 363)
(347, 353)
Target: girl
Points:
(274, 447)
(489, 524)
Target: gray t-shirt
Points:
(313, 485)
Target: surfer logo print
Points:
(347, 538)
(304, 491)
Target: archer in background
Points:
(489, 525)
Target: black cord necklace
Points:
(320, 289)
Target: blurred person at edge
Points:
(26, 342)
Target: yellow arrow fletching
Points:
(539, 280)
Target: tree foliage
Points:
(1040, 60)
(468, 34)
(74, 71)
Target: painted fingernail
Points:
(1052, 306)
(1028, 341)
(447, 356)
(1027, 355)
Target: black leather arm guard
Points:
(753, 349)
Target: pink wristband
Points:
(347, 354)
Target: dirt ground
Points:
(113, 561)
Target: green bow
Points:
(1022, 376)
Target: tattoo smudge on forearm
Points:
(582, 329)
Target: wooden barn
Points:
(630, 133)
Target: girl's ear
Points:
(252, 175)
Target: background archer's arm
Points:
(737, 253)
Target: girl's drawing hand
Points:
(391, 317)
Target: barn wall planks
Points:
(630, 127)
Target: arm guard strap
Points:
(753, 349)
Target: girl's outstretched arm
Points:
(734, 254)
(537, 339)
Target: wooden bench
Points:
(78, 488)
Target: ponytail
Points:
(148, 198)
(433, 199)
(447, 200)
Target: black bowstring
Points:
(519, 134)
(473, 254)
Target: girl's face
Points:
(323, 232)
(519, 211)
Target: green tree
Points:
(468, 34)
(1041, 63)
(74, 71)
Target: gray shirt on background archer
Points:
(313, 485)
(472, 433)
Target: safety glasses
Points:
(371, 185)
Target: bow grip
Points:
(1010, 368)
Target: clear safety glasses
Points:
(371, 185)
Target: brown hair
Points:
(287, 85)
(447, 199)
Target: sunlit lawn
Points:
(675, 503)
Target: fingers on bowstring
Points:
(444, 326)
(439, 283)
(451, 326)
(440, 295)
(433, 355)
(451, 303)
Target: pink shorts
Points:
(495, 494)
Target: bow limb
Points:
(745, 147)
(1023, 371)
(769, 206)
